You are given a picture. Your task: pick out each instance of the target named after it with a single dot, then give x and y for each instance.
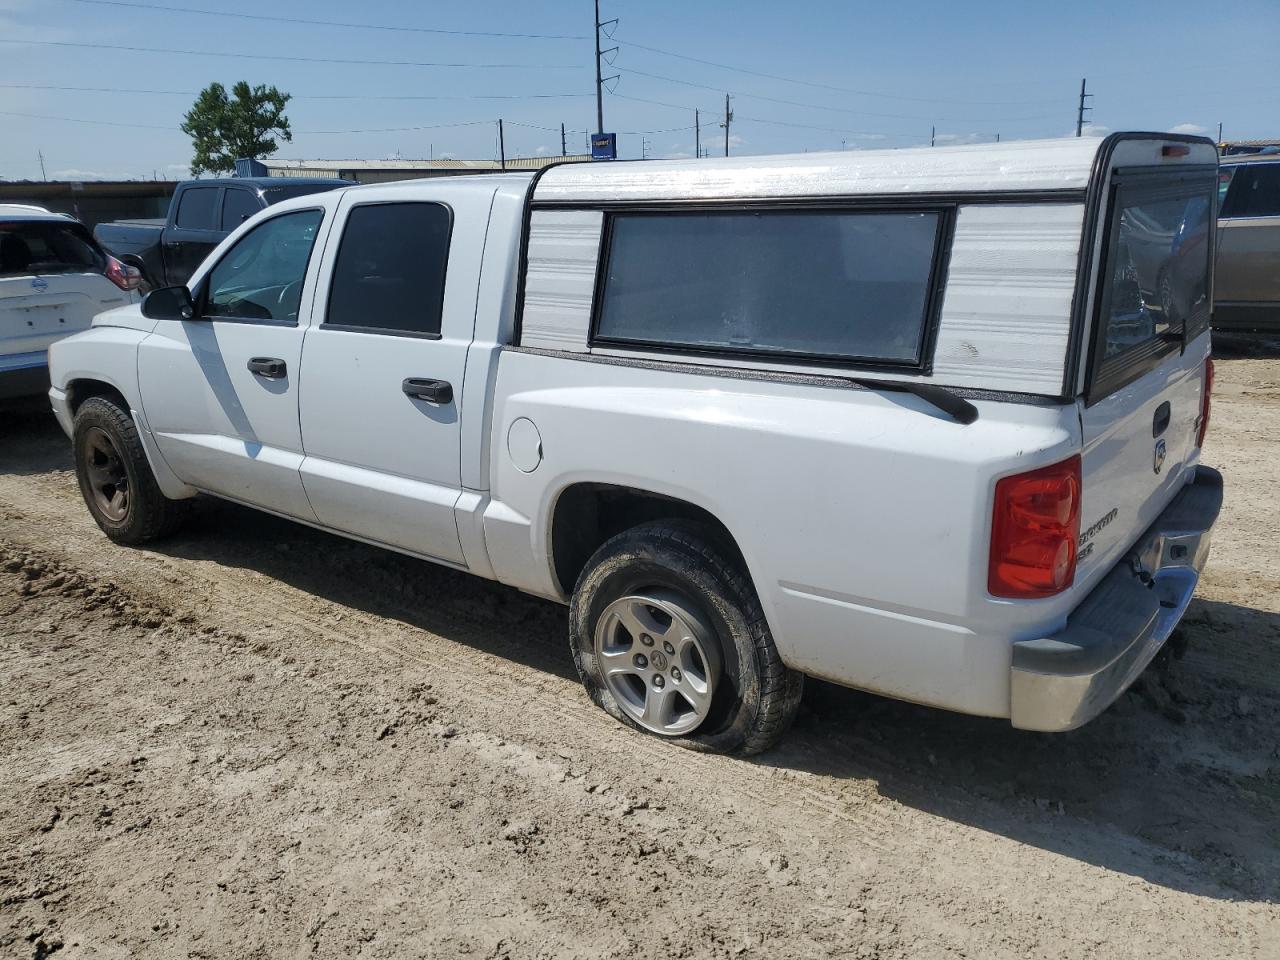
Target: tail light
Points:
(1034, 531)
(1204, 402)
(122, 275)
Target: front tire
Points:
(668, 637)
(115, 478)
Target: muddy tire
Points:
(115, 479)
(668, 636)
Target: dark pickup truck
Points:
(201, 214)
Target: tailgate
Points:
(1141, 413)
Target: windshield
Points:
(47, 246)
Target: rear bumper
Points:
(1062, 681)
(24, 375)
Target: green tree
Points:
(224, 129)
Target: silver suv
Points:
(1247, 279)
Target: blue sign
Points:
(40, 283)
(604, 146)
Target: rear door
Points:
(196, 230)
(1248, 259)
(52, 283)
(1142, 405)
(382, 370)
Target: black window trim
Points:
(444, 276)
(939, 266)
(1137, 360)
(201, 295)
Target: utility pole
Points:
(564, 150)
(1219, 131)
(728, 119)
(502, 146)
(43, 175)
(600, 82)
(1082, 108)
(933, 134)
(697, 134)
(644, 148)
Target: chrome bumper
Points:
(1064, 680)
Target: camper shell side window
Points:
(818, 285)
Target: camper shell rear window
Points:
(1154, 284)
(818, 285)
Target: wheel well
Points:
(588, 514)
(78, 391)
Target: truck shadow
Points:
(1178, 784)
(1245, 346)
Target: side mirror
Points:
(168, 303)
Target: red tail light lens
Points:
(122, 275)
(1204, 402)
(1034, 531)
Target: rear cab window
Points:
(30, 247)
(827, 284)
(198, 208)
(389, 275)
(1154, 294)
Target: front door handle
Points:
(269, 368)
(433, 391)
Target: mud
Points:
(257, 740)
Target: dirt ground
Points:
(257, 740)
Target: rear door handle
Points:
(269, 368)
(1160, 422)
(433, 391)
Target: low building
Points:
(93, 201)
(384, 171)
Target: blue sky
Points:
(873, 75)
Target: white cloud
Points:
(75, 173)
(1193, 128)
(542, 151)
(1090, 130)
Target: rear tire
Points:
(115, 478)
(668, 636)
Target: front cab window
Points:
(260, 278)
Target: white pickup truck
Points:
(921, 422)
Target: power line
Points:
(266, 56)
(816, 106)
(103, 123)
(333, 23)
(827, 86)
(339, 96)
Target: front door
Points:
(220, 391)
(383, 370)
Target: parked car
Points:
(53, 279)
(885, 418)
(201, 214)
(1247, 279)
